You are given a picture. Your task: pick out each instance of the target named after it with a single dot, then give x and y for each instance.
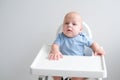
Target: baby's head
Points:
(72, 24)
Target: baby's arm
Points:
(55, 53)
(97, 49)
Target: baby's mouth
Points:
(69, 30)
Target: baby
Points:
(72, 41)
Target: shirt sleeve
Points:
(58, 39)
(88, 41)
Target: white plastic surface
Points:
(77, 66)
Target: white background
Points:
(25, 25)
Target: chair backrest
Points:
(86, 30)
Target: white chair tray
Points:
(77, 66)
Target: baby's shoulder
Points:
(61, 35)
(82, 34)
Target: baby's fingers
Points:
(55, 56)
(61, 56)
(51, 56)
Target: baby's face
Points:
(72, 25)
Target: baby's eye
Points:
(66, 23)
(74, 24)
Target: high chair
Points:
(88, 66)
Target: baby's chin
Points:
(70, 35)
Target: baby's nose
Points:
(69, 25)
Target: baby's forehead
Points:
(73, 15)
(73, 18)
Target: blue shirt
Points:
(74, 45)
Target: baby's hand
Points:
(55, 56)
(100, 52)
